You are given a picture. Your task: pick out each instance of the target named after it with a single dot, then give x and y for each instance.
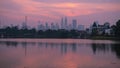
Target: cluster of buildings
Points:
(63, 25)
(100, 29)
(104, 29)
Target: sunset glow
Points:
(55, 9)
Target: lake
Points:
(59, 53)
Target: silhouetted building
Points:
(47, 26)
(52, 26)
(74, 24)
(69, 27)
(24, 24)
(62, 24)
(56, 26)
(65, 23)
(100, 29)
(81, 28)
(41, 26)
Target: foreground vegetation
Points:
(14, 32)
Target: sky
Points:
(84, 11)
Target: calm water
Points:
(59, 53)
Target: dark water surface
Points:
(59, 53)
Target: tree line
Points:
(15, 32)
(116, 29)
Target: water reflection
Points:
(64, 47)
(59, 55)
(115, 48)
(9, 43)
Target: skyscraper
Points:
(46, 26)
(74, 24)
(69, 27)
(0, 23)
(80, 27)
(56, 26)
(41, 26)
(65, 23)
(62, 24)
(24, 24)
(52, 26)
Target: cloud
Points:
(9, 4)
(66, 8)
(55, 9)
(79, 1)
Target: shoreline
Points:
(91, 38)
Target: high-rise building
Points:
(24, 24)
(74, 24)
(46, 26)
(62, 24)
(0, 23)
(52, 26)
(65, 23)
(41, 26)
(69, 27)
(80, 27)
(56, 26)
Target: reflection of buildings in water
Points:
(46, 45)
(94, 48)
(114, 48)
(74, 47)
(52, 45)
(24, 44)
(40, 44)
(9, 43)
(100, 47)
(65, 47)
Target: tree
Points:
(94, 29)
(117, 30)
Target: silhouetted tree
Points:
(117, 30)
(94, 29)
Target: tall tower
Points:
(24, 24)
(65, 23)
(26, 20)
(0, 23)
(56, 26)
(62, 23)
(52, 26)
(74, 24)
(46, 26)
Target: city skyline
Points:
(84, 11)
(64, 24)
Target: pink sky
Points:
(85, 11)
